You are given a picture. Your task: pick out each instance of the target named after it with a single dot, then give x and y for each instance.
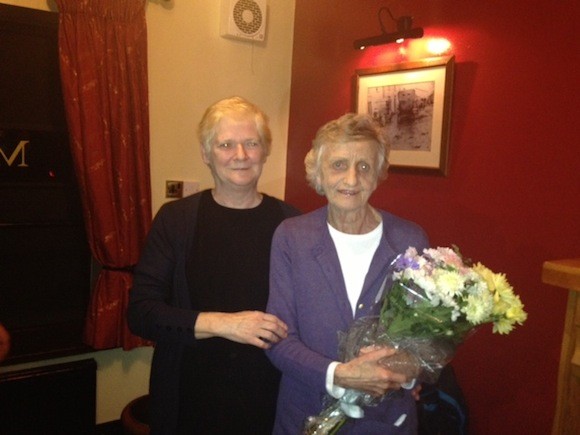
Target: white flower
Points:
(478, 307)
(449, 282)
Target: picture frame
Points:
(412, 101)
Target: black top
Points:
(160, 307)
(228, 387)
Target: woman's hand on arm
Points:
(365, 373)
(248, 327)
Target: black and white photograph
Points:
(407, 111)
(412, 101)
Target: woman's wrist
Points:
(334, 390)
(208, 324)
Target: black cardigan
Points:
(159, 304)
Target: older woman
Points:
(201, 286)
(326, 269)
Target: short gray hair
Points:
(233, 106)
(350, 127)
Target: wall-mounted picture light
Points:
(404, 31)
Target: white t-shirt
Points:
(355, 253)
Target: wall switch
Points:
(173, 189)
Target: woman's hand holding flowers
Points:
(436, 299)
(366, 372)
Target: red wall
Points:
(512, 196)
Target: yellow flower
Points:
(508, 308)
(496, 282)
(486, 274)
(503, 326)
(516, 312)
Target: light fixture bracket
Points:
(405, 30)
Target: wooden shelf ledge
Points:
(566, 274)
(562, 273)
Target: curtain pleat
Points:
(103, 61)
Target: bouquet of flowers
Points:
(436, 299)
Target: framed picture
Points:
(412, 101)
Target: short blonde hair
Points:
(350, 127)
(233, 106)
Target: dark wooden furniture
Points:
(54, 399)
(566, 274)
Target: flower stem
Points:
(336, 428)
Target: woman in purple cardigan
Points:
(326, 270)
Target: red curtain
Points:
(103, 61)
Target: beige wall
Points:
(190, 67)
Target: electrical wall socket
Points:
(180, 189)
(173, 189)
